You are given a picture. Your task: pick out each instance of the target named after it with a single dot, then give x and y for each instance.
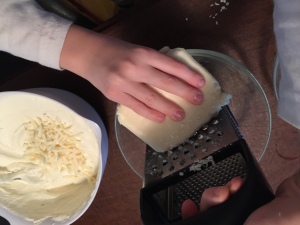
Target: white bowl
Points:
(84, 109)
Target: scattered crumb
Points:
(197, 166)
(222, 5)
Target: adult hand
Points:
(126, 73)
(284, 209)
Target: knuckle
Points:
(111, 93)
(150, 99)
(169, 81)
(179, 66)
(142, 51)
(127, 66)
(112, 88)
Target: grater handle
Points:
(254, 193)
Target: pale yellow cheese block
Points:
(169, 134)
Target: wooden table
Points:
(244, 32)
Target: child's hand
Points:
(124, 73)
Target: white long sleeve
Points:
(27, 31)
(287, 32)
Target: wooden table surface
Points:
(244, 31)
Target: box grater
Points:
(215, 154)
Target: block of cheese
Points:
(169, 134)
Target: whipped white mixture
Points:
(49, 158)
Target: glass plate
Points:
(276, 77)
(249, 106)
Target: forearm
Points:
(80, 47)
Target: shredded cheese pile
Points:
(53, 143)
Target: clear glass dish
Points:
(249, 106)
(276, 77)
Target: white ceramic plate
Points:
(84, 109)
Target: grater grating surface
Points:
(219, 132)
(170, 200)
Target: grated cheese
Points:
(52, 142)
(222, 6)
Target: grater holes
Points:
(197, 145)
(154, 167)
(186, 151)
(207, 139)
(220, 133)
(193, 156)
(165, 162)
(193, 187)
(204, 150)
(215, 143)
(171, 168)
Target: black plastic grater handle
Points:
(254, 193)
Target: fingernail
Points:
(179, 115)
(201, 82)
(198, 98)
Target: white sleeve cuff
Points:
(53, 34)
(29, 32)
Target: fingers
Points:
(211, 197)
(173, 85)
(217, 195)
(140, 108)
(152, 101)
(188, 209)
(171, 66)
(214, 196)
(235, 184)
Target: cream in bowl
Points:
(49, 158)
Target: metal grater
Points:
(215, 154)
